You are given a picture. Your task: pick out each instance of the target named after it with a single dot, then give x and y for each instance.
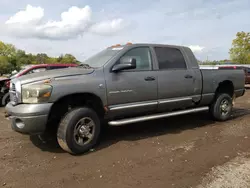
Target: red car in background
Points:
(28, 69)
(247, 75)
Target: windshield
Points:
(99, 59)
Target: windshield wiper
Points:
(86, 66)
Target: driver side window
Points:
(142, 56)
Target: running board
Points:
(155, 116)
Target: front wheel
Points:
(79, 130)
(222, 107)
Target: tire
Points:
(1, 97)
(5, 99)
(72, 132)
(219, 112)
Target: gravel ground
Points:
(184, 151)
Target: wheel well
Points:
(225, 87)
(64, 104)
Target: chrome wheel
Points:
(84, 131)
(224, 107)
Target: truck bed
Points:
(212, 78)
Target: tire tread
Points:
(215, 105)
(63, 128)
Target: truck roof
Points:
(145, 44)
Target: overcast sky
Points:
(83, 27)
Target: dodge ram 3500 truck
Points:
(120, 85)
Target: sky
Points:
(84, 27)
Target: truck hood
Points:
(62, 73)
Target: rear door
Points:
(175, 79)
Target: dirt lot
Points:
(184, 151)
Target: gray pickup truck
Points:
(120, 85)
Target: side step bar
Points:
(155, 116)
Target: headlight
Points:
(36, 93)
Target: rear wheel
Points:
(221, 108)
(79, 131)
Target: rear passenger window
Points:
(170, 58)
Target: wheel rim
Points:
(225, 107)
(84, 131)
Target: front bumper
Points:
(28, 118)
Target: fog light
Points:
(19, 124)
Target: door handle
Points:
(188, 76)
(149, 78)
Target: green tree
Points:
(13, 59)
(31, 57)
(67, 59)
(52, 60)
(42, 58)
(8, 57)
(240, 51)
(7, 49)
(60, 58)
(22, 59)
(4, 64)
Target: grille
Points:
(13, 95)
(13, 87)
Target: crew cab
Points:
(122, 84)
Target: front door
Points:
(133, 92)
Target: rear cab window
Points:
(170, 58)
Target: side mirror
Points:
(125, 64)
